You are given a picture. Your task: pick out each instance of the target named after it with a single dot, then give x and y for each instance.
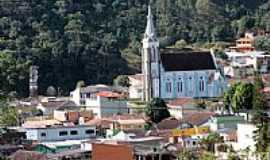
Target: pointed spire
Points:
(150, 30)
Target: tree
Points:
(260, 118)
(207, 156)
(210, 141)
(157, 110)
(262, 43)
(122, 81)
(228, 96)
(186, 155)
(258, 97)
(242, 98)
(8, 115)
(51, 91)
(180, 44)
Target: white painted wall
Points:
(245, 137)
(52, 133)
(105, 107)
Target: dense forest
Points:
(96, 40)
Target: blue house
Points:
(173, 73)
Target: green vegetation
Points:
(260, 119)
(8, 114)
(122, 81)
(97, 40)
(157, 110)
(239, 97)
(209, 142)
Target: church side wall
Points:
(190, 84)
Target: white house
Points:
(245, 134)
(106, 104)
(136, 86)
(102, 100)
(245, 64)
(60, 133)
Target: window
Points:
(90, 131)
(180, 85)
(74, 132)
(168, 87)
(63, 133)
(190, 84)
(201, 85)
(153, 54)
(43, 134)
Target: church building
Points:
(173, 73)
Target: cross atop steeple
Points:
(150, 30)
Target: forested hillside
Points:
(95, 40)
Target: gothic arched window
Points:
(180, 85)
(153, 54)
(201, 85)
(168, 86)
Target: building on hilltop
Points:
(244, 44)
(173, 73)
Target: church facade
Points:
(174, 73)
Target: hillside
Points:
(95, 40)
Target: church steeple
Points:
(150, 29)
(150, 60)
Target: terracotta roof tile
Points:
(198, 118)
(23, 155)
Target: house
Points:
(40, 123)
(101, 100)
(60, 132)
(219, 122)
(106, 104)
(244, 44)
(173, 73)
(49, 104)
(245, 137)
(74, 116)
(242, 65)
(199, 118)
(125, 123)
(113, 150)
(179, 107)
(136, 86)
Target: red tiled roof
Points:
(179, 101)
(99, 122)
(23, 155)
(198, 118)
(108, 94)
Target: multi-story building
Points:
(60, 133)
(101, 100)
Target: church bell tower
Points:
(150, 61)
